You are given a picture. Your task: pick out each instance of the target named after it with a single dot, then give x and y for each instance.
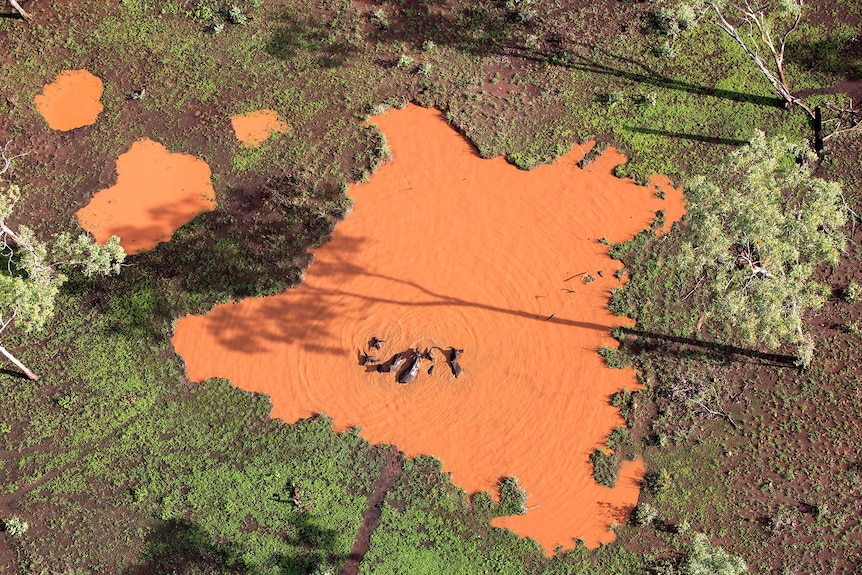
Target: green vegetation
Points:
(513, 498)
(115, 463)
(757, 237)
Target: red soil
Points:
(71, 101)
(252, 129)
(446, 249)
(156, 192)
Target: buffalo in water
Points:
(411, 369)
(453, 361)
(392, 365)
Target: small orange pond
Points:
(444, 249)
(156, 192)
(253, 128)
(71, 101)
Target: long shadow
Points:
(718, 349)
(314, 304)
(684, 136)
(578, 61)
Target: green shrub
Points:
(606, 467)
(4, 427)
(705, 559)
(235, 15)
(658, 482)
(404, 62)
(853, 293)
(15, 526)
(513, 498)
(644, 514)
(429, 45)
(614, 357)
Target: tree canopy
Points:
(756, 231)
(31, 280)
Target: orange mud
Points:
(70, 101)
(156, 192)
(252, 129)
(445, 248)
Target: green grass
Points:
(120, 462)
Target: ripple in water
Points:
(444, 249)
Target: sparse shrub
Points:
(404, 62)
(665, 50)
(658, 481)
(204, 11)
(588, 279)
(217, 25)
(381, 17)
(644, 514)
(424, 68)
(513, 498)
(606, 467)
(853, 293)
(531, 41)
(626, 402)
(611, 98)
(805, 352)
(521, 10)
(686, 17)
(854, 327)
(15, 526)
(705, 559)
(235, 15)
(429, 45)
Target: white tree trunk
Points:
(20, 10)
(20, 365)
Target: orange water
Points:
(71, 101)
(156, 192)
(252, 129)
(446, 249)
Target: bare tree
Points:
(20, 10)
(764, 44)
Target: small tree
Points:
(756, 236)
(31, 280)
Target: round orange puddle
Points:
(156, 192)
(252, 129)
(444, 249)
(70, 101)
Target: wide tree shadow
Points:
(295, 36)
(256, 244)
(181, 547)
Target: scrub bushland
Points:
(117, 463)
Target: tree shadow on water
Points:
(256, 244)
